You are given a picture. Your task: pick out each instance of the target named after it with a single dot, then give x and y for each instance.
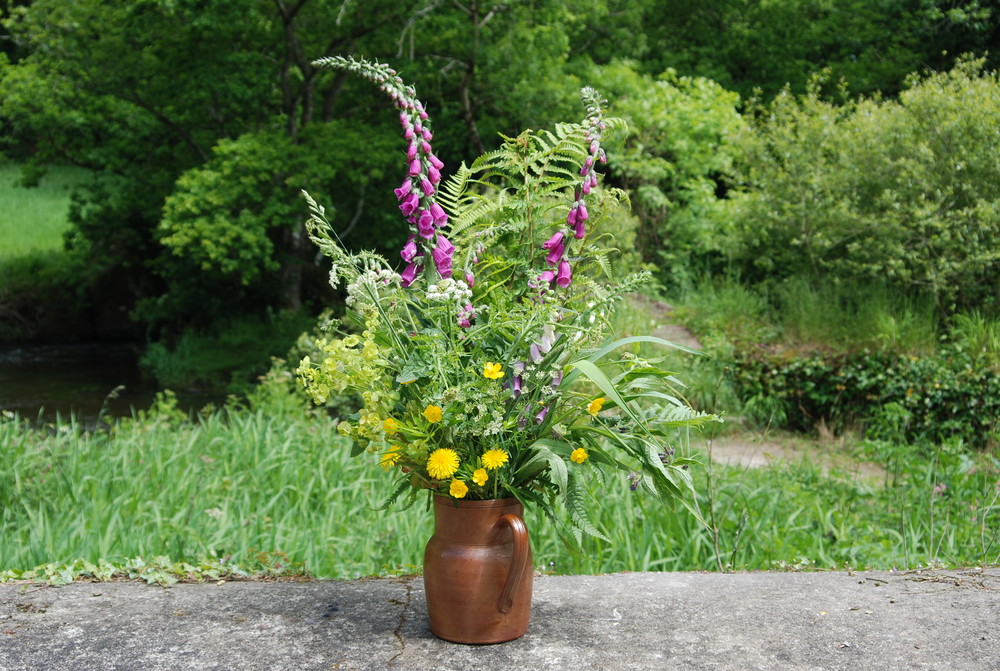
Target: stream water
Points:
(43, 381)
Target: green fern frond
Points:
(576, 505)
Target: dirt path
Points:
(753, 450)
(749, 449)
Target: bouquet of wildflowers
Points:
(484, 368)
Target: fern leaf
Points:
(576, 505)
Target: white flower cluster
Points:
(449, 291)
(365, 289)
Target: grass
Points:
(800, 314)
(34, 218)
(239, 486)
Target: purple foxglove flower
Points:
(594, 146)
(548, 276)
(426, 146)
(425, 225)
(556, 254)
(423, 114)
(434, 160)
(433, 174)
(535, 353)
(403, 189)
(415, 167)
(540, 417)
(588, 162)
(515, 385)
(444, 245)
(582, 214)
(466, 315)
(428, 135)
(411, 152)
(554, 241)
(409, 251)
(556, 380)
(565, 275)
(548, 338)
(585, 170)
(586, 187)
(427, 187)
(409, 274)
(442, 260)
(410, 204)
(470, 279)
(419, 127)
(571, 217)
(404, 118)
(437, 213)
(604, 157)
(580, 230)
(408, 133)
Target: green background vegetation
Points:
(814, 185)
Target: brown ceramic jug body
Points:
(478, 571)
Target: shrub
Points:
(903, 191)
(954, 394)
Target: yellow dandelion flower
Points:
(480, 477)
(458, 489)
(595, 406)
(579, 455)
(494, 459)
(390, 425)
(433, 413)
(442, 463)
(389, 460)
(492, 370)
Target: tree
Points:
(747, 45)
(901, 192)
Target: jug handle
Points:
(518, 563)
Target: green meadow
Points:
(269, 486)
(35, 217)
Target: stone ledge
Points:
(932, 619)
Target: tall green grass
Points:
(35, 218)
(801, 313)
(276, 480)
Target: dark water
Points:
(41, 381)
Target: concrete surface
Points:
(932, 619)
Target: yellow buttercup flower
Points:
(492, 370)
(442, 463)
(480, 477)
(458, 489)
(389, 460)
(579, 455)
(494, 459)
(390, 425)
(433, 413)
(595, 406)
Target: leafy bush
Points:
(227, 357)
(673, 164)
(904, 191)
(955, 394)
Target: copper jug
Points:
(478, 571)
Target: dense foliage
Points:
(140, 93)
(931, 399)
(903, 191)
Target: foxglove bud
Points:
(565, 275)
